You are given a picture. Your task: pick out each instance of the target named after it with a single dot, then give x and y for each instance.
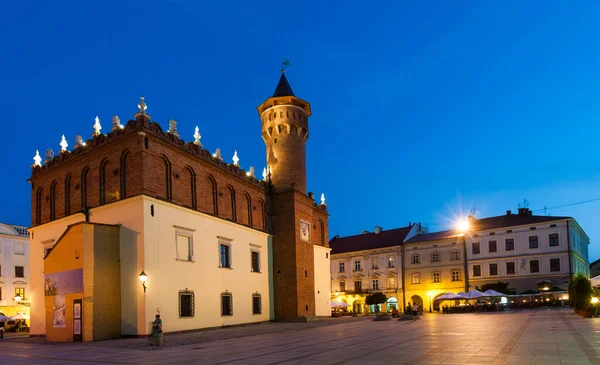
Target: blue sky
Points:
(421, 110)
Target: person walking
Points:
(157, 336)
(415, 310)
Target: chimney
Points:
(524, 211)
(365, 231)
(378, 229)
(508, 212)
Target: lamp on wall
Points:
(18, 298)
(143, 278)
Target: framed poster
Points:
(304, 231)
(77, 335)
(77, 310)
(77, 327)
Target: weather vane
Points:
(285, 63)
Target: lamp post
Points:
(143, 277)
(429, 296)
(463, 227)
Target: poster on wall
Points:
(77, 310)
(77, 327)
(64, 282)
(59, 310)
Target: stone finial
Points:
(264, 174)
(116, 123)
(79, 141)
(63, 144)
(37, 160)
(236, 159)
(217, 154)
(142, 105)
(49, 154)
(323, 199)
(197, 137)
(97, 126)
(173, 128)
(250, 172)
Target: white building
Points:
(14, 269)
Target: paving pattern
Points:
(545, 336)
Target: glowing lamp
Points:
(143, 277)
(18, 298)
(594, 300)
(462, 225)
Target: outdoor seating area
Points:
(16, 323)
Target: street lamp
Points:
(463, 226)
(429, 294)
(143, 278)
(18, 298)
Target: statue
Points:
(173, 128)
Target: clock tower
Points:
(301, 277)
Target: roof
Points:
(510, 220)
(434, 236)
(369, 241)
(283, 87)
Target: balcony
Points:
(357, 270)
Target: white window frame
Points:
(457, 275)
(550, 264)
(539, 266)
(454, 256)
(342, 267)
(490, 269)
(374, 263)
(435, 257)
(227, 243)
(434, 275)
(415, 259)
(375, 284)
(357, 265)
(184, 232)
(416, 278)
(252, 250)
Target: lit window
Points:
(226, 304)
(224, 255)
(476, 270)
(20, 292)
(255, 261)
(186, 303)
(391, 282)
(455, 275)
(416, 278)
(416, 259)
(436, 277)
(435, 257)
(390, 261)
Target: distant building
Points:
(14, 270)
(595, 268)
(526, 252)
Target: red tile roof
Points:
(369, 241)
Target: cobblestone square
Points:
(545, 336)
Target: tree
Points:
(375, 299)
(580, 292)
(499, 287)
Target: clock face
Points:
(304, 231)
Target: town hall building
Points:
(136, 222)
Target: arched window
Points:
(38, 206)
(84, 175)
(68, 194)
(103, 181)
(192, 187)
(215, 196)
(249, 205)
(53, 200)
(262, 214)
(123, 174)
(232, 198)
(322, 228)
(168, 188)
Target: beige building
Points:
(14, 270)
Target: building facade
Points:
(217, 245)
(14, 270)
(524, 252)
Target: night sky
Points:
(422, 111)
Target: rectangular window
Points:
(416, 259)
(256, 304)
(342, 286)
(225, 258)
(475, 248)
(20, 292)
(553, 239)
(390, 261)
(226, 304)
(554, 265)
(342, 267)
(435, 257)
(358, 287)
(476, 270)
(255, 261)
(391, 282)
(184, 248)
(374, 263)
(533, 242)
(492, 246)
(416, 278)
(510, 244)
(19, 248)
(19, 272)
(510, 268)
(0, 270)
(534, 266)
(375, 284)
(186, 303)
(493, 269)
(0, 293)
(455, 275)
(357, 266)
(436, 277)
(455, 255)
